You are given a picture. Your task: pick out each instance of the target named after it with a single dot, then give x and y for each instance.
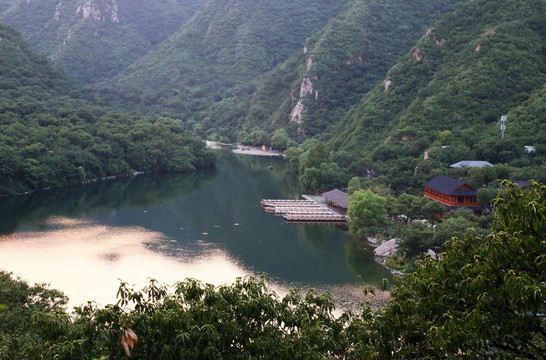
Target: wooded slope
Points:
(53, 133)
(95, 40)
(447, 94)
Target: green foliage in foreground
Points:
(485, 299)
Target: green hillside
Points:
(23, 68)
(94, 41)
(446, 97)
(223, 74)
(207, 71)
(338, 72)
(4, 5)
(53, 133)
(342, 62)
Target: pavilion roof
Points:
(337, 197)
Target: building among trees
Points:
(452, 193)
(338, 200)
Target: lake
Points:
(208, 225)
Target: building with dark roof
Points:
(337, 199)
(452, 193)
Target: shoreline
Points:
(245, 150)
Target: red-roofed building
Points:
(453, 194)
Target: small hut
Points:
(338, 200)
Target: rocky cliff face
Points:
(352, 54)
(306, 89)
(99, 10)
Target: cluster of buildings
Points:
(451, 193)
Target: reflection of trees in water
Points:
(129, 192)
(360, 260)
(317, 233)
(274, 169)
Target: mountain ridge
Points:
(93, 40)
(285, 73)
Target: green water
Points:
(208, 225)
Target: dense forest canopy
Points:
(54, 133)
(226, 75)
(347, 73)
(350, 73)
(350, 55)
(207, 71)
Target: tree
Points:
(292, 155)
(432, 210)
(280, 139)
(409, 207)
(259, 137)
(316, 156)
(30, 317)
(495, 151)
(326, 177)
(486, 297)
(366, 212)
(192, 320)
(354, 185)
(449, 228)
(415, 238)
(487, 195)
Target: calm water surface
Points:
(208, 225)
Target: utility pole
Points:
(503, 125)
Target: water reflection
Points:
(122, 193)
(207, 225)
(88, 259)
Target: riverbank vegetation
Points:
(483, 299)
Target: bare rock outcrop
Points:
(388, 248)
(110, 12)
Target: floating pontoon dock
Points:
(302, 211)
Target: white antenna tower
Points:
(503, 125)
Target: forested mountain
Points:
(207, 71)
(447, 94)
(342, 62)
(53, 133)
(224, 74)
(5, 4)
(282, 72)
(94, 40)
